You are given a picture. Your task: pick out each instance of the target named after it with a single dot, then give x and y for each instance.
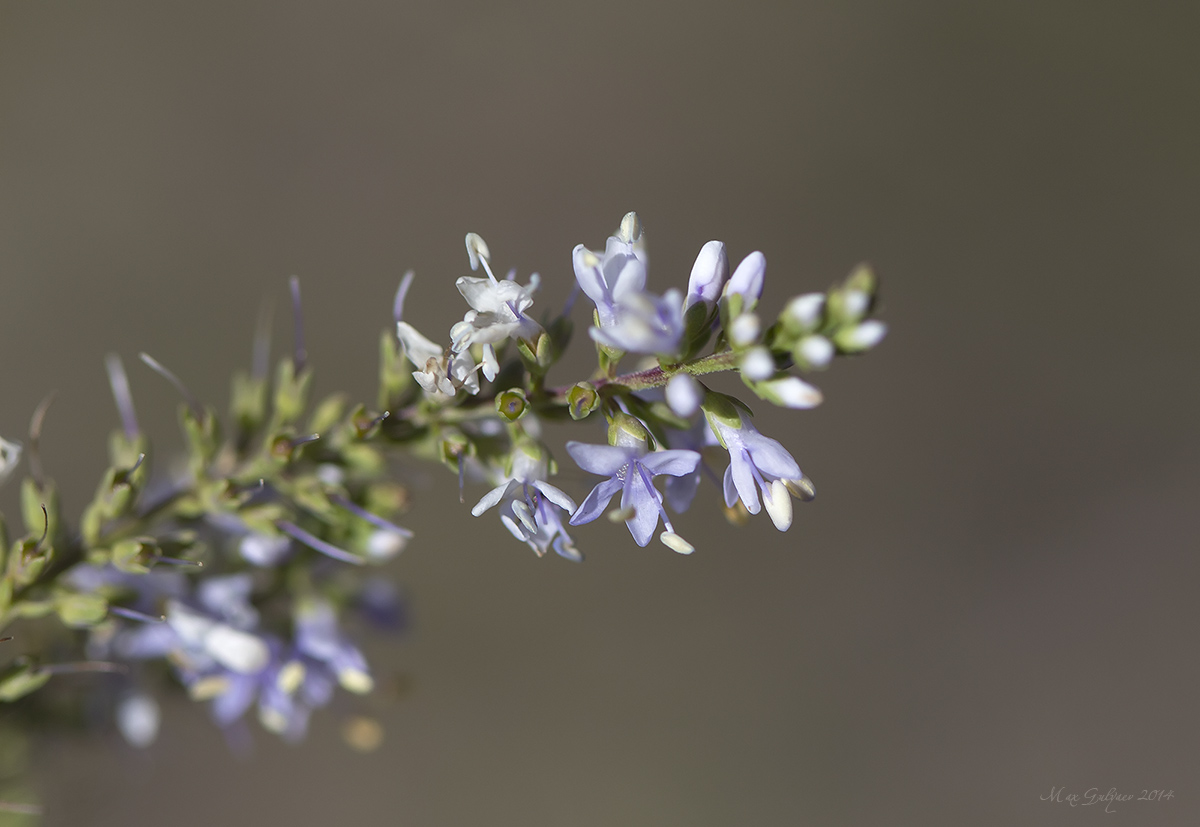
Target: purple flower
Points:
(644, 323)
(630, 470)
(747, 279)
(708, 274)
(757, 462)
(610, 278)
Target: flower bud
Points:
(512, 404)
(860, 337)
(803, 313)
(709, 274)
(582, 399)
(684, 394)
(813, 352)
(745, 330)
(758, 364)
(789, 392)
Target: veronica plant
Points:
(242, 576)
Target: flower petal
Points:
(555, 495)
(604, 460)
(644, 500)
(676, 462)
(595, 503)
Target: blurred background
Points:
(994, 592)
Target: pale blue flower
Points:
(630, 470)
(747, 279)
(757, 462)
(609, 278)
(709, 274)
(644, 323)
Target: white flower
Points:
(497, 309)
(437, 372)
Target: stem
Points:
(656, 377)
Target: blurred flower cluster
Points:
(245, 576)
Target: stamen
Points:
(401, 292)
(374, 519)
(461, 477)
(35, 435)
(488, 269)
(178, 561)
(301, 357)
(303, 440)
(620, 515)
(188, 396)
(82, 666)
(119, 383)
(654, 493)
(316, 543)
(802, 489)
(676, 543)
(131, 614)
(3, 639)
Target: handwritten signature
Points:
(1094, 797)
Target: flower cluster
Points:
(243, 578)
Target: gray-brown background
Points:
(994, 592)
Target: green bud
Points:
(721, 409)
(248, 403)
(202, 434)
(27, 559)
(395, 372)
(582, 399)
(291, 394)
(512, 404)
(364, 459)
(863, 279)
(626, 430)
(453, 445)
(327, 414)
(80, 610)
(545, 351)
(133, 555)
(33, 500)
(21, 678)
(260, 519)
